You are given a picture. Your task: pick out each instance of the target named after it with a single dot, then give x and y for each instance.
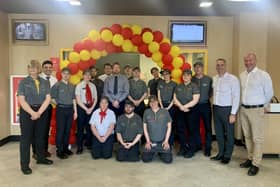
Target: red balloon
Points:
(78, 46)
(100, 45)
(183, 58)
(146, 30)
(143, 48)
(164, 48)
(91, 62)
(148, 54)
(119, 49)
(88, 45)
(111, 48)
(83, 65)
(167, 66)
(137, 40)
(74, 68)
(167, 59)
(127, 33)
(158, 36)
(186, 66)
(58, 75)
(116, 29)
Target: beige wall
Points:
(4, 78)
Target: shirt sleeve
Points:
(145, 117)
(78, 90)
(21, 90)
(93, 119)
(268, 88)
(235, 91)
(119, 128)
(73, 92)
(125, 91)
(54, 91)
(140, 126)
(94, 94)
(169, 119)
(195, 89)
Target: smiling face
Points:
(65, 75)
(47, 69)
(116, 69)
(128, 109)
(103, 104)
(250, 62)
(198, 70)
(107, 69)
(221, 67)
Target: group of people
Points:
(112, 106)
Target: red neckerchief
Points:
(102, 115)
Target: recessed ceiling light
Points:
(75, 2)
(205, 4)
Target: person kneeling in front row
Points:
(157, 129)
(102, 123)
(129, 130)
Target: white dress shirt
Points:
(103, 77)
(103, 127)
(81, 91)
(52, 79)
(256, 87)
(226, 91)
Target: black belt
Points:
(65, 106)
(252, 106)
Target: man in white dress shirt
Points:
(226, 90)
(107, 72)
(257, 91)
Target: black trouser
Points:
(32, 131)
(83, 123)
(130, 155)
(224, 130)
(102, 150)
(172, 112)
(188, 121)
(64, 119)
(118, 111)
(165, 155)
(204, 112)
(46, 130)
(140, 109)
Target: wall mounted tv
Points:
(190, 33)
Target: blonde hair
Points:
(35, 64)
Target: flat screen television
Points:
(192, 33)
(30, 31)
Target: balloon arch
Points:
(124, 38)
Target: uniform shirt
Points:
(156, 123)
(205, 87)
(152, 85)
(226, 91)
(137, 88)
(103, 127)
(28, 89)
(166, 90)
(63, 93)
(256, 87)
(99, 84)
(123, 88)
(129, 128)
(103, 77)
(52, 79)
(81, 91)
(184, 93)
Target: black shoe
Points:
(34, 156)
(45, 162)
(225, 160)
(207, 153)
(246, 164)
(181, 152)
(68, 152)
(217, 157)
(26, 171)
(253, 170)
(239, 143)
(79, 151)
(189, 154)
(61, 155)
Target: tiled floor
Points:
(82, 171)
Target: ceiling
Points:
(136, 7)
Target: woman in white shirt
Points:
(102, 123)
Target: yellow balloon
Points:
(95, 54)
(157, 56)
(136, 29)
(80, 74)
(148, 37)
(135, 49)
(127, 46)
(63, 64)
(176, 73)
(94, 35)
(104, 53)
(125, 25)
(175, 51)
(160, 64)
(165, 40)
(177, 62)
(75, 79)
(74, 57)
(85, 55)
(117, 40)
(106, 35)
(178, 81)
(153, 47)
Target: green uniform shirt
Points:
(184, 93)
(156, 123)
(28, 89)
(129, 128)
(166, 90)
(63, 93)
(137, 88)
(205, 87)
